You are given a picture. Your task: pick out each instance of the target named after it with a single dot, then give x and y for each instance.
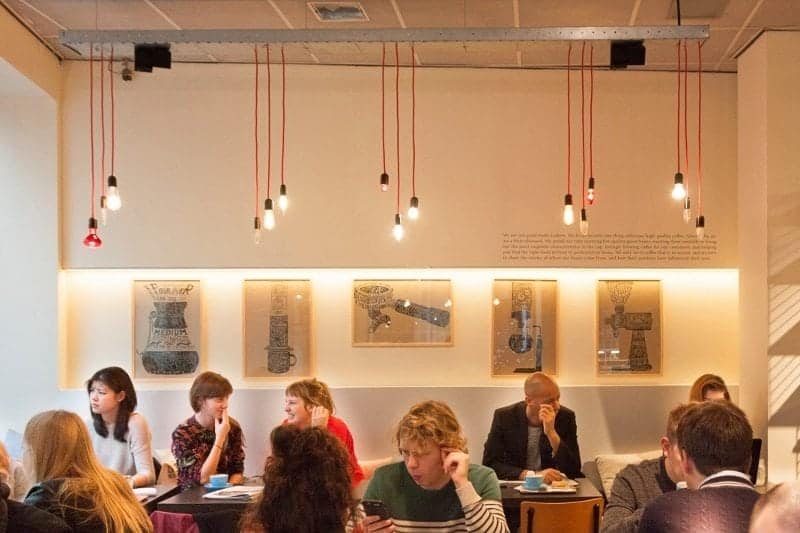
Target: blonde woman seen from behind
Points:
(70, 481)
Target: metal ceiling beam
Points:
(79, 38)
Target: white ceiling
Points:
(733, 24)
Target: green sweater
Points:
(475, 507)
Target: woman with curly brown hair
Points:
(306, 484)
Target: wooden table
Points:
(512, 499)
(163, 491)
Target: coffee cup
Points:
(533, 481)
(217, 481)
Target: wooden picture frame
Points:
(402, 312)
(277, 323)
(167, 329)
(524, 328)
(629, 328)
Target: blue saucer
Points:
(225, 486)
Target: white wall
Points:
(29, 209)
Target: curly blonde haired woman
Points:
(70, 481)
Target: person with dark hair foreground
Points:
(715, 440)
(636, 485)
(120, 436)
(778, 511)
(306, 484)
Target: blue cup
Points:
(533, 482)
(218, 481)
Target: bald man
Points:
(535, 435)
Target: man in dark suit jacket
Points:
(537, 434)
(715, 441)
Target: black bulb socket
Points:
(384, 179)
(701, 222)
(268, 204)
(283, 190)
(583, 214)
(257, 223)
(92, 223)
(103, 200)
(112, 181)
(568, 199)
(397, 218)
(678, 178)
(591, 182)
(414, 202)
(687, 204)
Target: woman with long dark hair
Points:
(306, 484)
(120, 436)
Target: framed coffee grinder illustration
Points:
(167, 328)
(277, 328)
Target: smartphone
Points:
(375, 508)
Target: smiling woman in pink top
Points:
(308, 403)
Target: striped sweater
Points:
(475, 507)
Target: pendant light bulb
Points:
(384, 182)
(700, 227)
(590, 191)
(678, 190)
(283, 200)
(114, 200)
(569, 213)
(413, 210)
(687, 210)
(103, 210)
(269, 214)
(584, 223)
(256, 230)
(397, 230)
(92, 240)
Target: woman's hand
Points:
(319, 416)
(221, 427)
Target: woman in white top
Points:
(121, 437)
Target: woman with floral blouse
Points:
(209, 442)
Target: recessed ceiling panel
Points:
(210, 14)
(554, 13)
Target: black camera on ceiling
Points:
(147, 56)
(624, 53)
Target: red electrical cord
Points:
(397, 115)
(569, 145)
(383, 106)
(102, 127)
(269, 125)
(413, 124)
(255, 127)
(113, 112)
(283, 114)
(678, 128)
(591, 107)
(91, 118)
(583, 134)
(686, 114)
(699, 124)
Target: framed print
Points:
(523, 326)
(629, 327)
(402, 313)
(277, 328)
(167, 328)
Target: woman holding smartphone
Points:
(308, 403)
(209, 442)
(120, 436)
